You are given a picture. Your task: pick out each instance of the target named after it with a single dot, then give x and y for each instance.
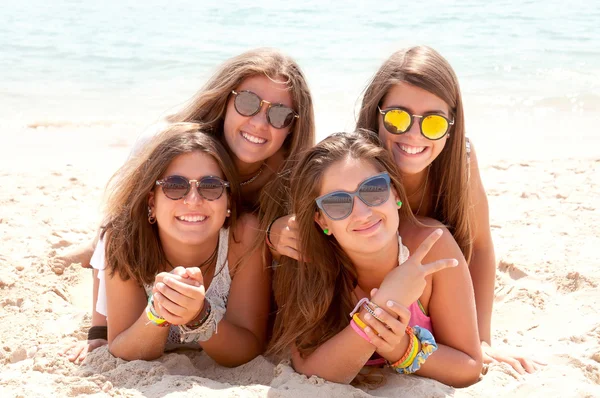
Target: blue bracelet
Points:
(428, 347)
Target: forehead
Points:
(346, 175)
(269, 90)
(194, 165)
(415, 99)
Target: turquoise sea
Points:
(529, 70)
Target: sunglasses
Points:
(247, 103)
(398, 121)
(177, 187)
(374, 191)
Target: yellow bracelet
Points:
(154, 319)
(359, 321)
(413, 354)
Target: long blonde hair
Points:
(133, 247)
(424, 67)
(314, 298)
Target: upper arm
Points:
(249, 296)
(480, 215)
(125, 302)
(452, 303)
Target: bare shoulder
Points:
(414, 235)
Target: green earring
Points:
(326, 231)
(399, 203)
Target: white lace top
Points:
(218, 291)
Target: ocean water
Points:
(529, 70)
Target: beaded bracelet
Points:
(428, 347)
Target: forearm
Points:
(483, 274)
(452, 367)
(339, 359)
(233, 345)
(142, 340)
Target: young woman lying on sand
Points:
(358, 298)
(259, 107)
(181, 268)
(415, 105)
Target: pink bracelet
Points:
(359, 331)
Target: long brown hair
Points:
(314, 298)
(209, 104)
(133, 247)
(424, 67)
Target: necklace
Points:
(208, 261)
(424, 190)
(254, 177)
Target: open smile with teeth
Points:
(191, 218)
(253, 139)
(412, 150)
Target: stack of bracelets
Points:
(201, 328)
(413, 358)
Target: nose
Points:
(260, 119)
(415, 128)
(360, 209)
(193, 197)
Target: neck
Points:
(186, 255)
(371, 268)
(246, 170)
(414, 185)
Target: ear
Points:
(396, 197)
(322, 221)
(151, 203)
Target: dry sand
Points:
(545, 224)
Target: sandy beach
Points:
(545, 222)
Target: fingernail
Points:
(454, 262)
(368, 317)
(378, 311)
(368, 329)
(390, 304)
(439, 232)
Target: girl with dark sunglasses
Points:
(181, 269)
(258, 105)
(360, 299)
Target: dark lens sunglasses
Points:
(374, 191)
(177, 187)
(247, 103)
(399, 120)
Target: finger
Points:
(195, 274)
(377, 341)
(382, 331)
(488, 359)
(373, 291)
(75, 353)
(163, 310)
(527, 365)
(180, 271)
(402, 312)
(69, 348)
(426, 245)
(439, 265)
(174, 296)
(516, 365)
(172, 306)
(185, 289)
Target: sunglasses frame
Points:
(354, 194)
(197, 182)
(412, 118)
(262, 101)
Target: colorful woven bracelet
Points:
(413, 354)
(428, 347)
(201, 318)
(359, 322)
(359, 331)
(409, 349)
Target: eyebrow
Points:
(412, 112)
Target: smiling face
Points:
(190, 220)
(367, 229)
(412, 151)
(251, 138)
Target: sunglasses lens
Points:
(434, 127)
(337, 205)
(211, 188)
(375, 192)
(175, 187)
(396, 121)
(246, 103)
(280, 116)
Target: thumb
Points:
(195, 274)
(373, 291)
